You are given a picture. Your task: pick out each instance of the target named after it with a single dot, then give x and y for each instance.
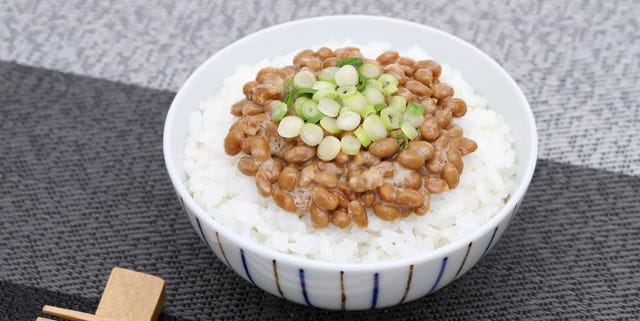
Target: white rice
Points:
(232, 199)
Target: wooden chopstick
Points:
(70, 314)
(43, 319)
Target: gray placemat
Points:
(83, 188)
(577, 61)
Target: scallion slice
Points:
(311, 134)
(401, 139)
(304, 90)
(350, 144)
(353, 61)
(328, 148)
(374, 128)
(329, 106)
(290, 126)
(362, 82)
(391, 118)
(369, 70)
(329, 93)
(348, 120)
(368, 110)
(399, 103)
(375, 84)
(304, 79)
(347, 76)
(356, 102)
(330, 125)
(298, 106)
(409, 130)
(311, 112)
(319, 85)
(390, 89)
(346, 91)
(373, 96)
(413, 119)
(415, 108)
(387, 79)
(328, 74)
(362, 136)
(279, 111)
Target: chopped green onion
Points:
(288, 90)
(330, 125)
(310, 110)
(304, 90)
(311, 134)
(391, 118)
(401, 139)
(279, 111)
(409, 130)
(315, 119)
(398, 102)
(387, 79)
(297, 92)
(362, 136)
(356, 102)
(347, 76)
(329, 148)
(362, 83)
(353, 61)
(373, 96)
(350, 144)
(379, 107)
(298, 106)
(374, 128)
(288, 100)
(328, 74)
(375, 84)
(368, 110)
(328, 106)
(288, 85)
(318, 85)
(346, 91)
(344, 110)
(329, 93)
(413, 119)
(415, 108)
(304, 79)
(369, 70)
(390, 89)
(348, 120)
(290, 126)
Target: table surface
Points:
(85, 87)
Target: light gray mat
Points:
(578, 62)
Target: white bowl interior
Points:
(482, 73)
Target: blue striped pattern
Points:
(374, 298)
(442, 267)
(304, 288)
(376, 276)
(246, 268)
(204, 237)
(490, 242)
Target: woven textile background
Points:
(84, 89)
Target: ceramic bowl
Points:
(352, 286)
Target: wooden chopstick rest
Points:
(128, 296)
(71, 314)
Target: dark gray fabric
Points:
(19, 302)
(577, 61)
(83, 188)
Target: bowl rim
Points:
(252, 246)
